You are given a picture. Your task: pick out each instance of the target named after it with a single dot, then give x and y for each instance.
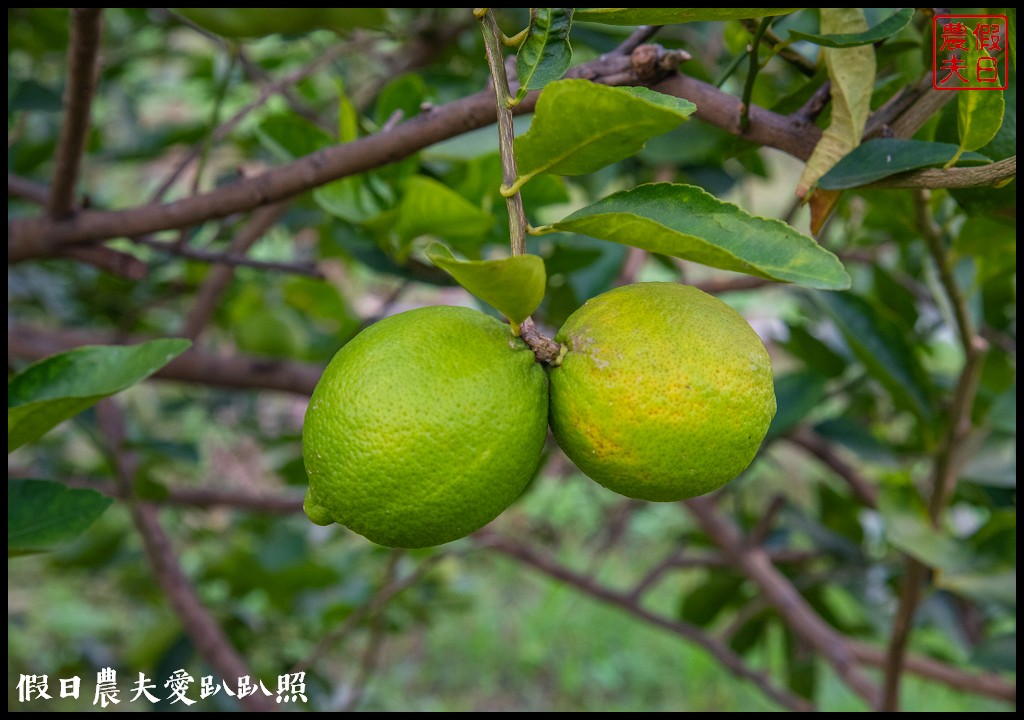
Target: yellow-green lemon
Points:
(664, 392)
(424, 427)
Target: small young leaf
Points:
(430, 208)
(887, 28)
(852, 72)
(580, 126)
(668, 16)
(290, 136)
(979, 114)
(42, 513)
(883, 348)
(687, 222)
(877, 159)
(60, 386)
(514, 286)
(545, 54)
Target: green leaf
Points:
(877, 159)
(1011, 31)
(545, 55)
(290, 136)
(668, 16)
(718, 591)
(887, 28)
(514, 285)
(797, 395)
(260, 22)
(43, 513)
(355, 199)
(60, 386)
(430, 208)
(908, 529)
(883, 348)
(979, 113)
(686, 222)
(999, 586)
(580, 126)
(852, 72)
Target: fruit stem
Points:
(544, 348)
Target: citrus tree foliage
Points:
(206, 204)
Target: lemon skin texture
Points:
(424, 427)
(664, 392)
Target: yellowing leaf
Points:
(852, 72)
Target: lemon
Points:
(424, 427)
(664, 393)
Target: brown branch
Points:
(206, 635)
(229, 258)
(797, 612)
(949, 455)
(792, 135)
(820, 448)
(625, 601)
(83, 75)
(218, 278)
(380, 599)
(990, 175)
(36, 237)
(193, 366)
(225, 128)
(109, 260)
(987, 684)
(26, 189)
(202, 498)
(641, 35)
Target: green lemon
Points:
(664, 393)
(424, 427)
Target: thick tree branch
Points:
(207, 636)
(626, 601)
(798, 614)
(83, 74)
(193, 366)
(36, 237)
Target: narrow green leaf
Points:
(350, 199)
(998, 586)
(979, 113)
(883, 348)
(430, 208)
(514, 286)
(348, 116)
(42, 514)
(545, 55)
(60, 386)
(668, 16)
(877, 159)
(260, 22)
(852, 72)
(887, 28)
(687, 222)
(580, 126)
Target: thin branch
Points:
(721, 652)
(193, 366)
(206, 635)
(218, 278)
(26, 189)
(380, 599)
(83, 75)
(755, 563)
(222, 131)
(820, 448)
(764, 523)
(109, 260)
(371, 652)
(949, 455)
(781, 48)
(987, 684)
(201, 498)
(816, 103)
(752, 70)
(641, 35)
(229, 258)
(990, 175)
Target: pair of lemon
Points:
(429, 424)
